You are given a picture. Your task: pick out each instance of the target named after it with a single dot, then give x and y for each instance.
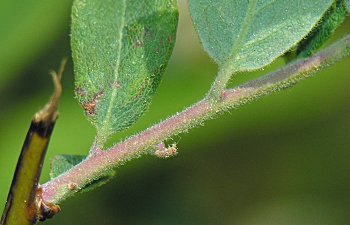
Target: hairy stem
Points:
(99, 162)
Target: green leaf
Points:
(62, 163)
(248, 35)
(347, 4)
(332, 19)
(120, 50)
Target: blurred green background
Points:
(284, 159)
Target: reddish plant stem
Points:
(99, 162)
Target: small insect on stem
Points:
(166, 152)
(72, 186)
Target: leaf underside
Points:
(332, 19)
(120, 50)
(248, 35)
(62, 163)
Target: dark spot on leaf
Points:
(90, 106)
(159, 70)
(170, 39)
(115, 85)
(79, 91)
(142, 88)
(138, 44)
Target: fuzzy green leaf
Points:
(332, 19)
(248, 35)
(61, 163)
(347, 4)
(120, 50)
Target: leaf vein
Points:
(244, 28)
(106, 122)
(264, 6)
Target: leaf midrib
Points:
(245, 26)
(103, 131)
